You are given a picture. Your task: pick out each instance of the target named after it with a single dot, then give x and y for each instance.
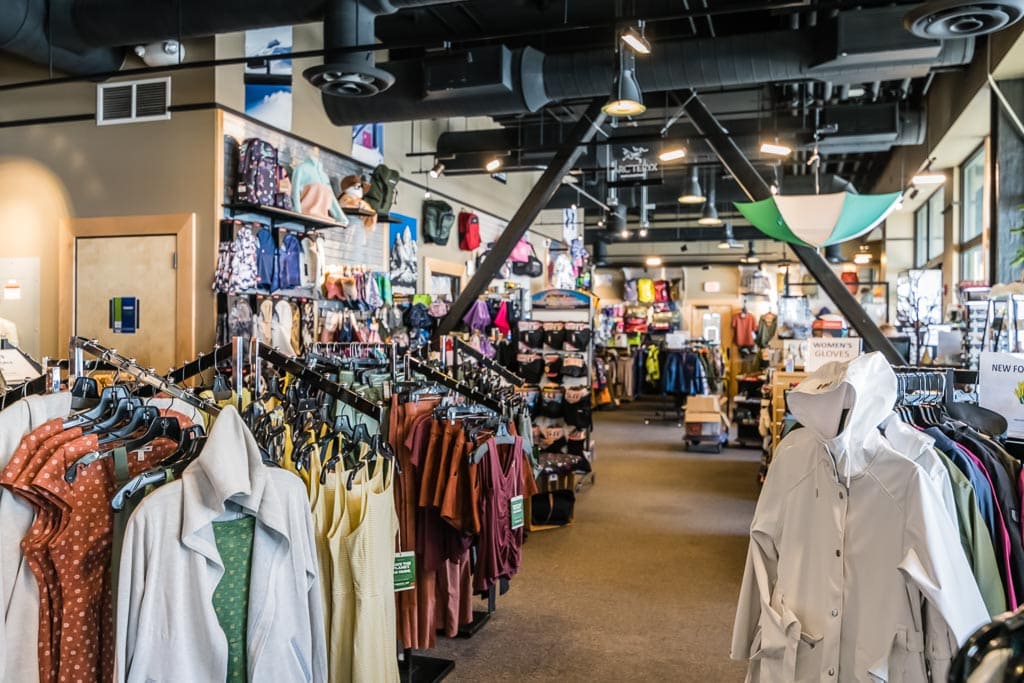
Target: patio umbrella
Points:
(818, 220)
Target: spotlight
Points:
(642, 232)
(493, 165)
(653, 261)
(695, 195)
(776, 149)
(750, 257)
(709, 216)
(427, 195)
(929, 179)
(627, 99)
(673, 154)
(437, 170)
(636, 40)
(624, 234)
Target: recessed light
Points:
(673, 154)
(493, 165)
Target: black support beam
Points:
(538, 198)
(756, 188)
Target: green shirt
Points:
(231, 597)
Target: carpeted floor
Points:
(643, 586)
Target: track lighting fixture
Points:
(493, 165)
(775, 149)
(627, 99)
(635, 37)
(693, 195)
(437, 170)
(672, 154)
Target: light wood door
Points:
(139, 266)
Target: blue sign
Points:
(124, 314)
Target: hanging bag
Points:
(469, 231)
(532, 267)
(438, 218)
(383, 189)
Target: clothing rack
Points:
(80, 345)
(937, 381)
(421, 367)
(356, 350)
(294, 367)
(202, 363)
(462, 347)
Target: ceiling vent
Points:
(133, 101)
(945, 19)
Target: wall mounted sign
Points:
(1001, 388)
(124, 314)
(821, 350)
(632, 162)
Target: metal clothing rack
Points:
(431, 373)
(293, 366)
(462, 347)
(81, 345)
(202, 363)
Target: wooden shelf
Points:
(295, 218)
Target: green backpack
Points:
(438, 219)
(383, 189)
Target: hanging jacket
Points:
(289, 257)
(849, 541)
(167, 629)
(266, 260)
(652, 365)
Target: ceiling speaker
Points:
(944, 19)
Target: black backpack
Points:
(438, 219)
(383, 189)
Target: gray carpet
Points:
(643, 586)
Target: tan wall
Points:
(146, 168)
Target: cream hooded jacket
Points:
(167, 630)
(851, 546)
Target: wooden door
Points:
(138, 266)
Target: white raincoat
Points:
(849, 541)
(167, 629)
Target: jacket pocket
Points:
(903, 662)
(300, 661)
(780, 643)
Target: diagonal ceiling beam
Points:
(538, 198)
(757, 189)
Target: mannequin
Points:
(311, 189)
(352, 191)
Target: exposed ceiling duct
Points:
(84, 31)
(858, 46)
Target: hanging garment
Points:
(170, 567)
(312, 193)
(766, 328)
(500, 546)
(849, 540)
(743, 329)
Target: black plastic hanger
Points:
(109, 398)
(124, 408)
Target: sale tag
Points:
(405, 571)
(517, 515)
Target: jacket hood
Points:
(842, 404)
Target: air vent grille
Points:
(133, 101)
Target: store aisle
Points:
(643, 586)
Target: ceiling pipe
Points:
(532, 79)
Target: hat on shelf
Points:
(350, 180)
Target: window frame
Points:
(923, 247)
(972, 158)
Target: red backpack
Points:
(469, 231)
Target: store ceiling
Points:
(845, 72)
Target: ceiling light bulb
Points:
(437, 170)
(653, 261)
(573, 207)
(493, 165)
(636, 40)
(426, 195)
(642, 232)
(862, 259)
(627, 99)
(624, 107)
(929, 179)
(673, 154)
(624, 234)
(724, 244)
(776, 149)
(709, 216)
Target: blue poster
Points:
(268, 76)
(402, 242)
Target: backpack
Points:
(438, 219)
(256, 182)
(383, 189)
(645, 290)
(469, 231)
(283, 191)
(417, 317)
(288, 259)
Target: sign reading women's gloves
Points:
(1001, 388)
(821, 350)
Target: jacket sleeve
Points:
(934, 561)
(130, 591)
(761, 571)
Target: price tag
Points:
(517, 515)
(405, 571)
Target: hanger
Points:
(125, 407)
(109, 398)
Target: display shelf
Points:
(306, 221)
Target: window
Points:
(972, 179)
(929, 235)
(972, 264)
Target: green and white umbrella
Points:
(818, 220)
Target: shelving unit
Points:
(284, 218)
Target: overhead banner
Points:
(1001, 388)
(821, 350)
